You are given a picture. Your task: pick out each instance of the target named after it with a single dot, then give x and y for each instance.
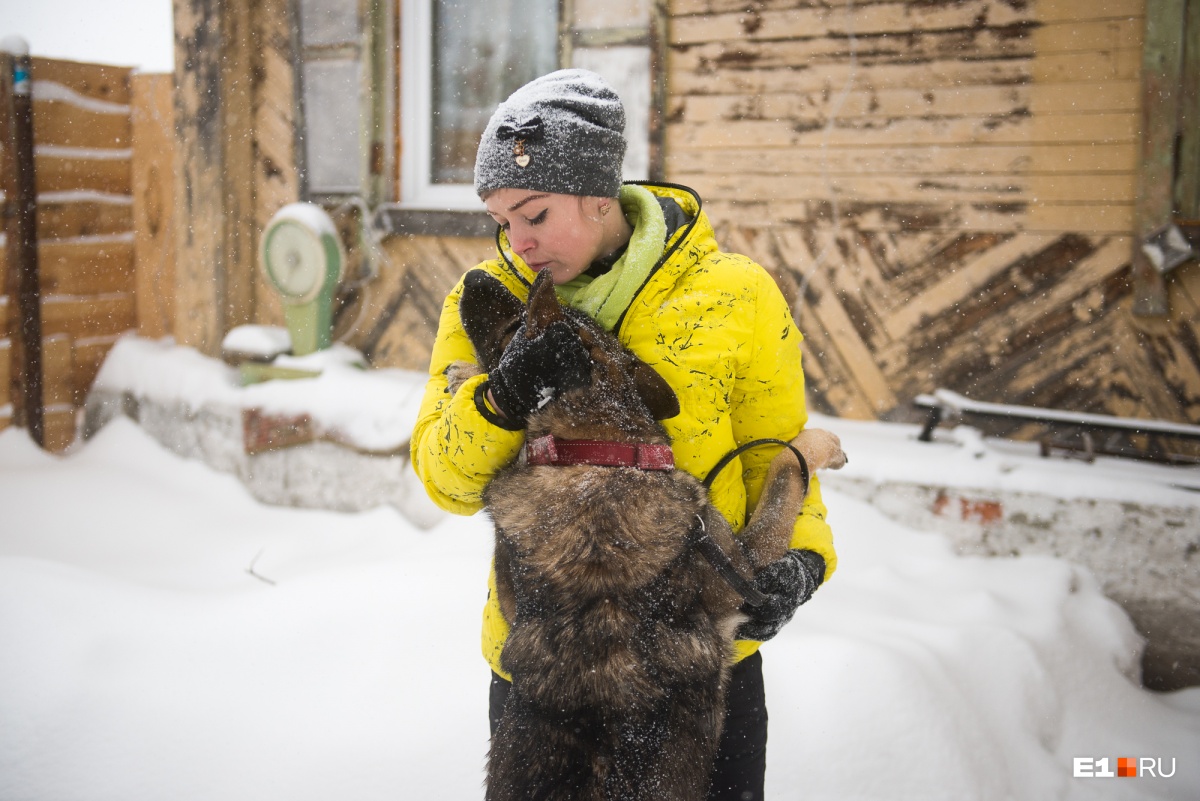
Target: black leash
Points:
(709, 547)
(736, 452)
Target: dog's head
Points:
(491, 316)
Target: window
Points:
(343, 87)
(460, 59)
(438, 85)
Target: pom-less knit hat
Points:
(563, 133)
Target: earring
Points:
(604, 209)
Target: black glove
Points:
(787, 583)
(532, 371)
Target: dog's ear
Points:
(544, 307)
(490, 314)
(654, 391)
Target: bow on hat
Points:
(531, 129)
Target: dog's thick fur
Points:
(622, 633)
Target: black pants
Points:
(742, 755)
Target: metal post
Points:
(21, 228)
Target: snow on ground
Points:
(167, 636)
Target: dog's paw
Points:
(458, 373)
(822, 449)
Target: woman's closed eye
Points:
(539, 219)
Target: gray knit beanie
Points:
(563, 133)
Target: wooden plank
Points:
(998, 325)
(1085, 128)
(829, 312)
(60, 174)
(56, 370)
(1075, 11)
(153, 190)
(865, 292)
(1045, 10)
(1112, 189)
(916, 47)
(276, 172)
(969, 101)
(1077, 282)
(873, 217)
(1084, 218)
(960, 101)
(60, 427)
(1013, 129)
(89, 355)
(1118, 189)
(1050, 98)
(1038, 159)
(67, 125)
(867, 19)
(97, 81)
(879, 188)
(1087, 67)
(215, 236)
(81, 316)
(834, 76)
(962, 283)
(70, 219)
(1075, 35)
(403, 306)
(86, 267)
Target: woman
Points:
(641, 260)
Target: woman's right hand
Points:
(533, 371)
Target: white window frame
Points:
(417, 190)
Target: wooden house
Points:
(950, 193)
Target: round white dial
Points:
(295, 259)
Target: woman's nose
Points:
(522, 241)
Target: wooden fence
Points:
(85, 236)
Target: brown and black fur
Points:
(621, 637)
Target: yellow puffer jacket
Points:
(713, 324)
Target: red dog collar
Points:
(553, 451)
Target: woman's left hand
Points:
(787, 583)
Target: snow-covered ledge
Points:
(1135, 525)
(342, 436)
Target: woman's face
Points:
(559, 233)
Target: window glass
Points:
(332, 141)
(332, 91)
(482, 52)
(329, 22)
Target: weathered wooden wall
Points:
(82, 155)
(945, 189)
(394, 318)
(153, 172)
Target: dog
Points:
(622, 633)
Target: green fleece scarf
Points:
(606, 298)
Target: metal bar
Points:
(21, 226)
